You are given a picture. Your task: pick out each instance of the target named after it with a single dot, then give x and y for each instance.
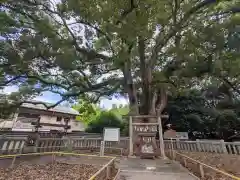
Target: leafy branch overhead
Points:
(142, 49)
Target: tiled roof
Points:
(60, 109)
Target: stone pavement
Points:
(147, 169)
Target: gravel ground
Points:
(60, 171)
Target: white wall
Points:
(75, 125)
(6, 123)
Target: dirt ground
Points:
(226, 162)
(48, 171)
(48, 167)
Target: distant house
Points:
(28, 113)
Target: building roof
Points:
(60, 109)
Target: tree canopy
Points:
(96, 119)
(210, 113)
(87, 110)
(102, 120)
(142, 49)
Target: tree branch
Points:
(42, 103)
(230, 84)
(107, 92)
(82, 22)
(68, 95)
(126, 12)
(91, 54)
(11, 80)
(161, 42)
(97, 30)
(46, 82)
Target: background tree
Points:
(207, 113)
(6, 108)
(102, 120)
(87, 110)
(120, 111)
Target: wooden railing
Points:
(204, 146)
(12, 145)
(202, 170)
(95, 143)
(16, 144)
(106, 172)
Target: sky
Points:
(53, 98)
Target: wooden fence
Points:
(16, 145)
(204, 146)
(200, 169)
(13, 144)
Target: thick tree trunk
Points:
(130, 89)
(146, 76)
(149, 100)
(161, 101)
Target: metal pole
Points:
(161, 138)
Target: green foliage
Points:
(6, 108)
(96, 119)
(74, 48)
(104, 119)
(211, 112)
(120, 111)
(185, 111)
(87, 110)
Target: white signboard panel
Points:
(182, 135)
(111, 134)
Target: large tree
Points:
(99, 48)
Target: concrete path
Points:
(146, 169)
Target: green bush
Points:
(104, 119)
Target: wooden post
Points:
(172, 148)
(201, 170)
(223, 146)
(13, 161)
(15, 117)
(130, 136)
(102, 148)
(70, 144)
(198, 145)
(178, 144)
(109, 171)
(161, 137)
(185, 162)
(37, 144)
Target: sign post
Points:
(110, 134)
